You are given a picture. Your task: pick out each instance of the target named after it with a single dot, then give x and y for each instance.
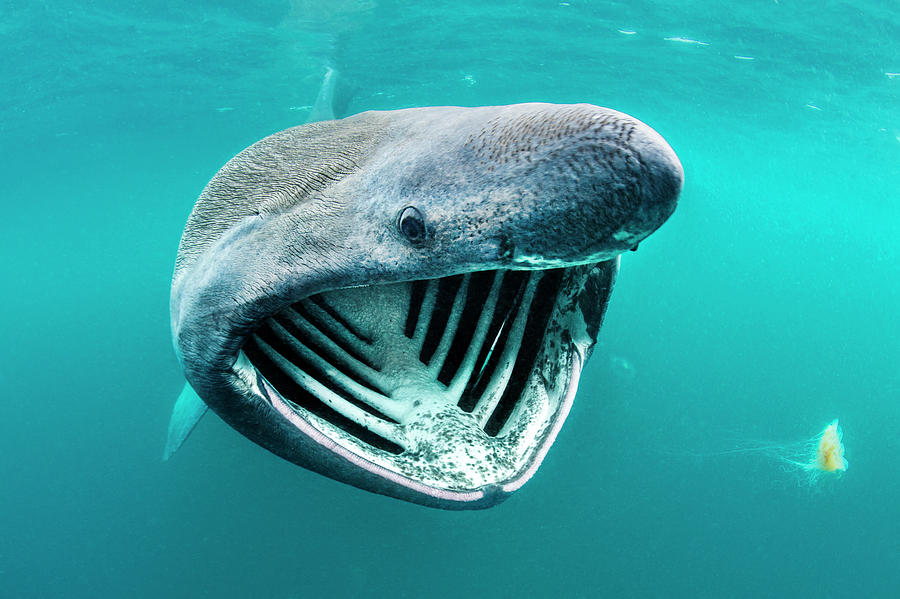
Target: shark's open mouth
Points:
(457, 383)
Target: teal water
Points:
(766, 307)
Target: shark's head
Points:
(404, 300)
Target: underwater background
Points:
(767, 306)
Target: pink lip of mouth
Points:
(561, 416)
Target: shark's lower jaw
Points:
(451, 387)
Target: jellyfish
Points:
(813, 459)
(824, 454)
(830, 450)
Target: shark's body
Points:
(404, 300)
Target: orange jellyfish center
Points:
(831, 452)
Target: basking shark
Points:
(404, 300)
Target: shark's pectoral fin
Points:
(188, 411)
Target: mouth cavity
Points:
(455, 383)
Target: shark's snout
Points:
(660, 178)
(613, 181)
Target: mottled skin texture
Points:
(315, 208)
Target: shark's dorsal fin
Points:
(323, 109)
(188, 411)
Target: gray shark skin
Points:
(404, 300)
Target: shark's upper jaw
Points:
(451, 388)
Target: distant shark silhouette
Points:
(404, 300)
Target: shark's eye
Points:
(412, 225)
